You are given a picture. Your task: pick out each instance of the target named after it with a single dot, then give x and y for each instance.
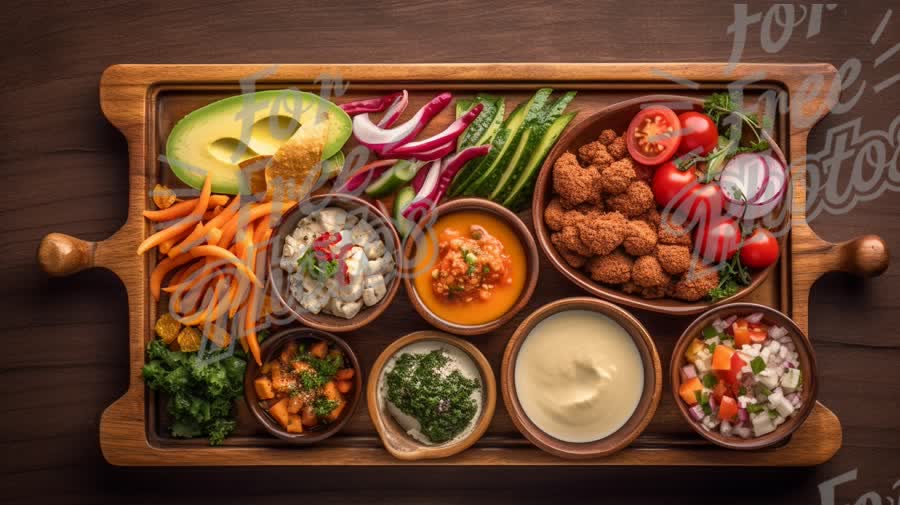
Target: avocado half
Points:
(217, 137)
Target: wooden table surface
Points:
(63, 169)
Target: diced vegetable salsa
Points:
(304, 385)
(741, 377)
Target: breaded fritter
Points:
(594, 153)
(617, 176)
(617, 148)
(614, 268)
(573, 183)
(673, 233)
(648, 273)
(636, 200)
(640, 238)
(602, 233)
(696, 283)
(607, 137)
(675, 259)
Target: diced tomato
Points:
(758, 333)
(720, 390)
(736, 364)
(741, 331)
(722, 358)
(736, 389)
(728, 408)
(688, 389)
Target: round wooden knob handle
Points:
(60, 254)
(867, 256)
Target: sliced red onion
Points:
(366, 174)
(371, 104)
(743, 416)
(688, 372)
(775, 190)
(730, 320)
(696, 412)
(382, 140)
(434, 187)
(395, 110)
(713, 404)
(755, 317)
(720, 325)
(447, 136)
(436, 153)
(777, 332)
(743, 180)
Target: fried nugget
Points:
(617, 148)
(672, 233)
(614, 268)
(642, 172)
(574, 260)
(607, 136)
(574, 184)
(648, 273)
(594, 153)
(651, 217)
(630, 288)
(617, 176)
(640, 238)
(636, 200)
(553, 215)
(189, 339)
(696, 283)
(602, 233)
(675, 259)
(167, 328)
(570, 240)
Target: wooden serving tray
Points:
(144, 101)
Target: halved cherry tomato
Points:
(760, 250)
(703, 204)
(652, 137)
(741, 331)
(698, 133)
(728, 408)
(671, 185)
(718, 240)
(737, 363)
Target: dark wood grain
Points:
(66, 355)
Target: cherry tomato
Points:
(698, 133)
(671, 185)
(718, 240)
(760, 250)
(728, 408)
(703, 204)
(652, 137)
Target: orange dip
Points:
(470, 269)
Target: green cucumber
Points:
(331, 168)
(404, 197)
(514, 171)
(494, 127)
(527, 142)
(488, 177)
(472, 171)
(521, 192)
(402, 172)
(478, 127)
(463, 105)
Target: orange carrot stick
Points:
(183, 208)
(221, 253)
(212, 213)
(181, 275)
(246, 217)
(198, 236)
(164, 267)
(172, 231)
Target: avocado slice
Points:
(217, 137)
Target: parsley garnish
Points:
(323, 406)
(709, 332)
(757, 364)
(318, 270)
(710, 381)
(755, 408)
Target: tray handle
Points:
(867, 256)
(60, 254)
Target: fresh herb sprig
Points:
(317, 269)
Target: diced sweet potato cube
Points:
(308, 416)
(344, 374)
(266, 368)
(336, 413)
(319, 349)
(279, 412)
(331, 392)
(263, 388)
(295, 403)
(294, 425)
(288, 353)
(344, 386)
(282, 381)
(301, 366)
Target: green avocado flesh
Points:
(219, 136)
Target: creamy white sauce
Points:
(459, 360)
(579, 376)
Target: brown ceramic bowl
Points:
(479, 205)
(395, 439)
(268, 351)
(617, 117)
(646, 406)
(807, 365)
(278, 278)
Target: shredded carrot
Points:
(181, 275)
(192, 238)
(164, 267)
(212, 213)
(250, 327)
(222, 253)
(172, 231)
(183, 208)
(210, 302)
(253, 213)
(214, 234)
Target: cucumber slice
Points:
(494, 127)
(463, 105)
(331, 168)
(484, 120)
(527, 143)
(488, 177)
(404, 197)
(402, 172)
(521, 192)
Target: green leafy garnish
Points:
(323, 406)
(732, 277)
(200, 390)
(710, 381)
(709, 333)
(757, 364)
(764, 390)
(318, 270)
(755, 408)
(742, 391)
(711, 347)
(773, 414)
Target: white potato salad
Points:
(337, 263)
(742, 377)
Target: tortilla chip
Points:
(167, 328)
(295, 167)
(189, 339)
(254, 170)
(163, 197)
